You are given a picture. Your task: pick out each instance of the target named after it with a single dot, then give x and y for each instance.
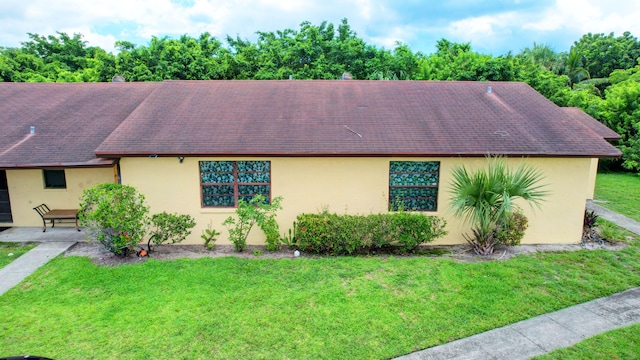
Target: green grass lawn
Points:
(364, 308)
(361, 308)
(620, 344)
(12, 251)
(621, 191)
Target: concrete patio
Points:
(35, 234)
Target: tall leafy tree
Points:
(621, 112)
(603, 54)
(575, 66)
(16, 65)
(457, 61)
(185, 58)
(58, 57)
(542, 55)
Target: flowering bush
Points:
(116, 216)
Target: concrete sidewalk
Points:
(544, 333)
(614, 217)
(12, 274)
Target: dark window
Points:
(223, 183)
(54, 179)
(413, 185)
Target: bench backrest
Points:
(42, 209)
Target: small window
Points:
(54, 179)
(223, 183)
(413, 185)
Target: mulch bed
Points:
(461, 253)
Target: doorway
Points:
(5, 205)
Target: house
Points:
(48, 135)
(196, 147)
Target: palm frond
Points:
(486, 197)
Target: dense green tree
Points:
(60, 58)
(455, 61)
(185, 58)
(574, 66)
(602, 54)
(620, 111)
(542, 55)
(320, 52)
(19, 66)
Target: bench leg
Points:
(77, 227)
(44, 225)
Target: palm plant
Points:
(541, 54)
(485, 198)
(575, 67)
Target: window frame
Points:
(393, 206)
(236, 184)
(47, 177)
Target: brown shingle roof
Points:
(70, 121)
(593, 124)
(352, 118)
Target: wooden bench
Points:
(56, 214)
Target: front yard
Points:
(341, 307)
(304, 308)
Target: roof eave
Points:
(100, 162)
(612, 154)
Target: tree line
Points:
(599, 73)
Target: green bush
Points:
(351, 234)
(115, 215)
(512, 231)
(172, 228)
(255, 211)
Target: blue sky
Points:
(492, 27)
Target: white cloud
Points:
(379, 22)
(484, 31)
(393, 35)
(593, 16)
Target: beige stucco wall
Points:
(26, 191)
(593, 172)
(357, 186)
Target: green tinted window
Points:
(413, 185)
(223, 183)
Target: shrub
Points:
(172, 228)
(512, 231)
(115, 215)
(350, 234)
(588, 223)
(255, 211)
(271, 230)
